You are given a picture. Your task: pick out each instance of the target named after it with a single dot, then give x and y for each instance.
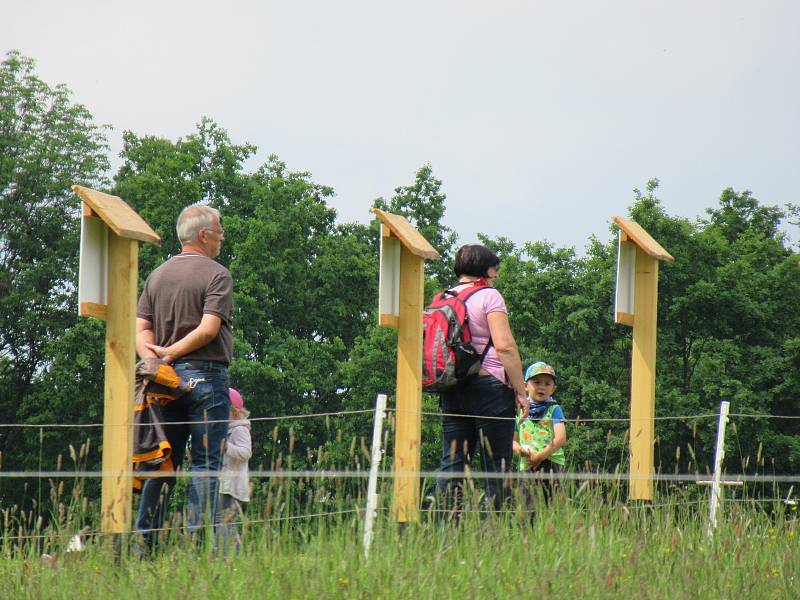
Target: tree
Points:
(47, 143)
(159, 178)
(423, 204)
(303, 285)
(727, 324)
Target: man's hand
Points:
(160, 351)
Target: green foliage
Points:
(727, 328)
(47, 143)
(304, 286)
(305, 290)
(423, 204)
(158, 178)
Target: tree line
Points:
(306, 338)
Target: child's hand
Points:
(534, 460)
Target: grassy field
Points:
(587, 545)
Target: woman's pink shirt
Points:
(479, 305)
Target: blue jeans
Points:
(228, 540)
(483, 396)
(188, 418)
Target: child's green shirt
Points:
(536, 431)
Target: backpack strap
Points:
(465, 295)
(468, 291)
(489, 344)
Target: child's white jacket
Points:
(234, 480)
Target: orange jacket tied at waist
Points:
(157, 384)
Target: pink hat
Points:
(236, 399)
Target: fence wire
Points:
(699, 478)
(577, 420)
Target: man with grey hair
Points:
(183, 317)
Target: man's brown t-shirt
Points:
(179, 292)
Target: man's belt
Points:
(200, 365)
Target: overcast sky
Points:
(539, 117)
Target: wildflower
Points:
(343, 581)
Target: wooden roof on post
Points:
(407, 234)
(115, 212)
(644, 240)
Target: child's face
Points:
(540, 388)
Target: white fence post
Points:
(719, 455)
(372, 494)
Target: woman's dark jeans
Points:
(484, 396)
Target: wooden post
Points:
(409, 387)
(107, 290)
(123, 254)
(636, 305)
(643, 377)
(404, 293)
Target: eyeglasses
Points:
(220, 232)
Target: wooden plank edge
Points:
(92, 309)
(389, 321)
(142, 236)
(386, 218)
(631, 236)
(624, 318)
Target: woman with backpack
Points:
(478, 413)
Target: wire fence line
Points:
(763, 416)
(363, 474)
(85, 532)
(209, 421)
(281, 475)
(698, 478)
(576, 420)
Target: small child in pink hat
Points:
(234, 484)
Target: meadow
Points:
(587, 544)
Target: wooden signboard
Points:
(108, 278)
(637, 306)
(389, 279)
(93, 266)
(413, 250)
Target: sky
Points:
(539, 117)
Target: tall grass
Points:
(302, 539)
(580, 544)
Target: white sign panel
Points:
(389, 278)
(626, 273)
(93, 266)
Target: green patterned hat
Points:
(539, 368)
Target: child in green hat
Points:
(540, 437)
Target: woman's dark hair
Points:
(474, 260)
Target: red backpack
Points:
(448, 356)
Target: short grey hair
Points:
(194, 218)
